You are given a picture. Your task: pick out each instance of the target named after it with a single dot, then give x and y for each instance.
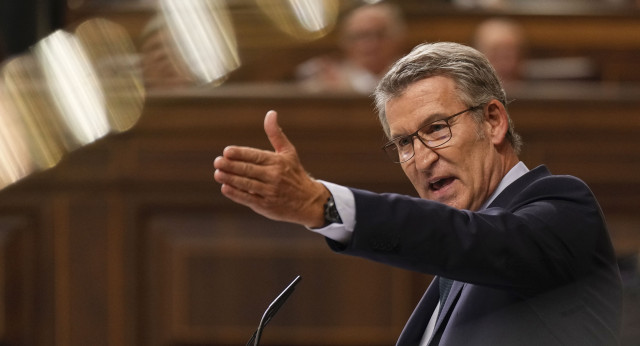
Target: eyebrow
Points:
(428, 120)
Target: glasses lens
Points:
(436, 134)
(400, 150)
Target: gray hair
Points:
(473, 75)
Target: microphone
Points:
(272, 310)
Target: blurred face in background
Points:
(503, 43)
(372, 37)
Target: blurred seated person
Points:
(503, 42)
(371, 38)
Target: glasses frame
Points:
(392, 142)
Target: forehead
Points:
(425, 100)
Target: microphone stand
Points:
(272, 310)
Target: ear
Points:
(497, 121)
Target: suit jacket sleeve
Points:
(541, 231)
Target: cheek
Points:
(412, 174)
(408, 169)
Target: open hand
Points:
(272, 183)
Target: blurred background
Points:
(112, 230)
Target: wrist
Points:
(316, 207)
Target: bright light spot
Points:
(311, 13)
(15, 162)
(302, 19)
(113, 57)
(73, 84)
(35, 109)
(204, 36)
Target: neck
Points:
(508, 157)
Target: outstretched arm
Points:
(272, 183)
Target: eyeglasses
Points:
(432, 135)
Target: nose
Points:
(423, 156)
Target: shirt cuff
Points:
(345, 203)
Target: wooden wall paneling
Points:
(562, 32)
(590, 29)
(118, 314)
(37, 198)
(145, 254)
(338, 138)
(82, 269)
(609, 37)
(215, 273)
(62, 276)
(90, 267)
(595, 140)
(17, 280)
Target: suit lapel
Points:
(444, 316)
(417, 323)
(415, 327)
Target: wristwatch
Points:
(331, 214)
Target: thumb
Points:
(276, 136)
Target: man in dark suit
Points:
(522, 257)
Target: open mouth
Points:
(439, 184)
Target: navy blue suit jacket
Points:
(535, 268)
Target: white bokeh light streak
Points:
(74, 87)
(204, 36)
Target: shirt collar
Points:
(514, 173)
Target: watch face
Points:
(331, 214)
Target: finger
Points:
(218, 162)
(248, 170)
(276, 136)
(247, 154)
(248, 185)
(239, 196)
